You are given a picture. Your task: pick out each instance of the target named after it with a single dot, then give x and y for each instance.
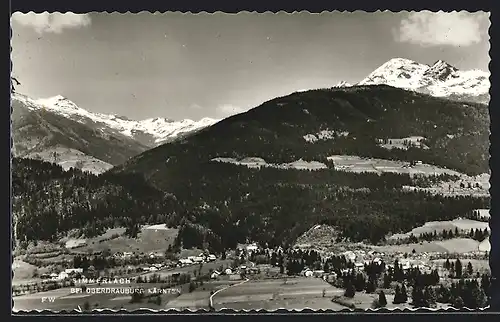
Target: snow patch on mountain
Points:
(343, 84)
(440, 79)
(161, 129)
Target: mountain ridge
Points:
(151, 131)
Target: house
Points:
(195, 259)
(252, 247)
(214, 274)
(308, 273)
(350, 255)
(54, 276)
(73, 270)
(211, 257)
(228, 271)
(359, 265)
(153, 269)
(127, 254)
(184, 262)
(62, 276)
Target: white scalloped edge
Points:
(219, 311)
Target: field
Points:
(23, 272)
(70, 158)
(481, 265)
(404, 143)
(296, 293)
(358, 164)
(154, 238)
(455, 245)
(438, 227)
(64, 300)
(257, 162)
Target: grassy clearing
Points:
(294, 293)
(439, 226)
(148, 240)
(358, 164)
(455, 245)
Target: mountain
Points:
(269, 174)
(57, 130)
(351, 120)
(150, 132)
(49, 134)
(440, 79)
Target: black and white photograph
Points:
(250, 161)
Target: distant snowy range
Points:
(57, 130)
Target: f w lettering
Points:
(49, 299)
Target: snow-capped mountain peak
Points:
(441, 71)
(158, 129)
(440, 79)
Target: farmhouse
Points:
(211, 257)
(252, 247)
(70, 271)
(214, 274)
(184, 262)
(228, 271)
(62, 276)
(195, 259)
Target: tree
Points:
(458, 268)
(371, 286)
(192, 286)
(447, 264)
(458, 302)
(387, 280)
(350, 291)
(430, 297)
(469, 269)
(382, 301)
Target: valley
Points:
(319, 199)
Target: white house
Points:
(252, 247)
(185, 261)
(211, 257)
(308, 273)
(350, 255)
(62, 276)
(214, 274)
(228, 271)
(73, 270)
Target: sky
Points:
(178, 66)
